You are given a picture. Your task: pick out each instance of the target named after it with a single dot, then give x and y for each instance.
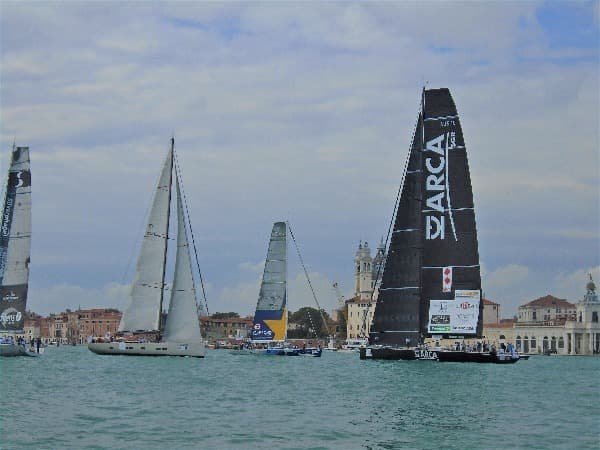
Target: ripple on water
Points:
(71, 398)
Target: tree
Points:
(309, 323)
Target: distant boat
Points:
(354, 345)
(140, 330)
(271, 317)
(15, 250)
(431, 284)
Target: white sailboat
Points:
(140, 331)
(15, 250)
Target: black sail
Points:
(396, 320)
(432, 284)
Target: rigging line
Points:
(309, 283)
(187, 213)
(396, 206)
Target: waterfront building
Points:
(99, 322)
(367, 279)
(491, 311)
(553, 325)
(228, 327)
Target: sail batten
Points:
(438, 267)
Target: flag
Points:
(447, 279)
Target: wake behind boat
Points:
(139, 330)
(431, 284)
(15, 250)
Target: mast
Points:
(164, 265)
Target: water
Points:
(71, 398)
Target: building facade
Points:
(230, 327)
(367, 279)
(552, 325)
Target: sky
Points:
(298, 111)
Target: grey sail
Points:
(143, 311)
(182, 321)
(270, 319)
(15, 242)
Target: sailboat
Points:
(15, 250)
(140, 332)
(271, 317)
(431, 283)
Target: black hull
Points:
(391, 353)
(476, 357)
(387, 353)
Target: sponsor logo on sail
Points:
(437, 186)
(10, 316)
(10, 297)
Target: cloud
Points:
(278, 113)
(515, 285)
(60, 297)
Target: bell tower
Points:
(363, 273)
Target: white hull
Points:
(148, 349)
(16, 350)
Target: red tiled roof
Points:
(489, 302)
(550, 300)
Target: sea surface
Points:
(71, 398)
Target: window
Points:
(535, 315)
(579, 316)
(595, 316)
(533, 342)
(561, 342)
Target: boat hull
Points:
(392, 353)
(387, 353)
(16, 350)
(196, 350)
(476, 357)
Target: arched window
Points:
(553, 343)
(502, 337)
(533, 342)
(561, 342)
(545, 343)
(526, 344)
(518, 342)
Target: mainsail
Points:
(431, 282)
(270, 319)
(143, 311)
(182, 321)
(15, 242)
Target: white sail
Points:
(15, 242)
(182, 321)
(143, 311)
